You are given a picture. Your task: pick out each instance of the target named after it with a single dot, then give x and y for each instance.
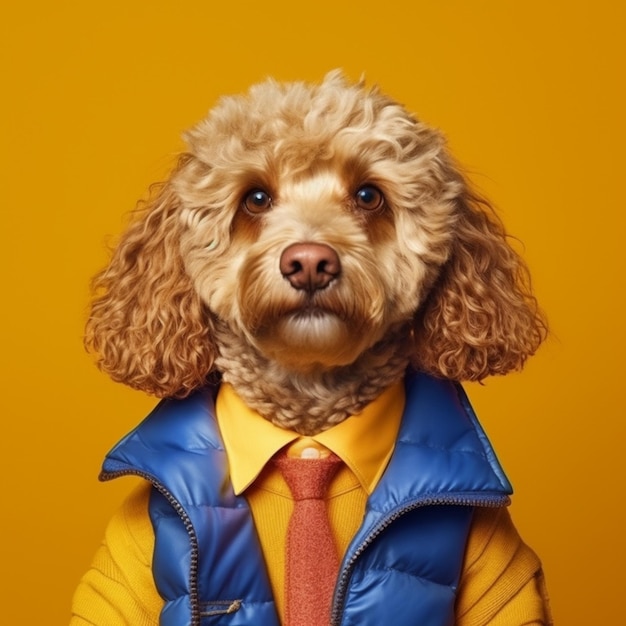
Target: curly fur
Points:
(194, 285)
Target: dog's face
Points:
(314, 218)
(305, 225)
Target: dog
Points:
(313, 244)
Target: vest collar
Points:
(442, 453)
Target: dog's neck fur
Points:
(310, 403)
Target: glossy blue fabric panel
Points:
(193, 470)
(393, 598)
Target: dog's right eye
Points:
(257, 201)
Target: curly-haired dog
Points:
(314, 248)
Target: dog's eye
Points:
(369, 198)
(257, 201)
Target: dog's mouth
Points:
(311, 335)
(315, 309)
(312, 311)
(326, 328)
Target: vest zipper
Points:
(342, 582)
(194, 597)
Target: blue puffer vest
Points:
(401, 568)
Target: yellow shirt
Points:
(501, 582)
(363, 442)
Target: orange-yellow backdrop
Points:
(96, 95)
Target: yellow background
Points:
(95, 97)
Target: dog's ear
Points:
(480, 317)
(147, 326)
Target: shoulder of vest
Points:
(442, 454)
(178, 444)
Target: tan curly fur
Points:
(195, 284)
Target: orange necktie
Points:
(311, 560)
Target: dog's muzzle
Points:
(310, 266)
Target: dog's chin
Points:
(313, 340)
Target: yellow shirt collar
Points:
(364, 442)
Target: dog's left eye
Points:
(369, 198)
(257, 201)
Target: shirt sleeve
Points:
(118, 589)
(502, 583)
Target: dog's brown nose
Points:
(309, 266)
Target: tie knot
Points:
(308, 479)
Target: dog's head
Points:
(312, 221)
